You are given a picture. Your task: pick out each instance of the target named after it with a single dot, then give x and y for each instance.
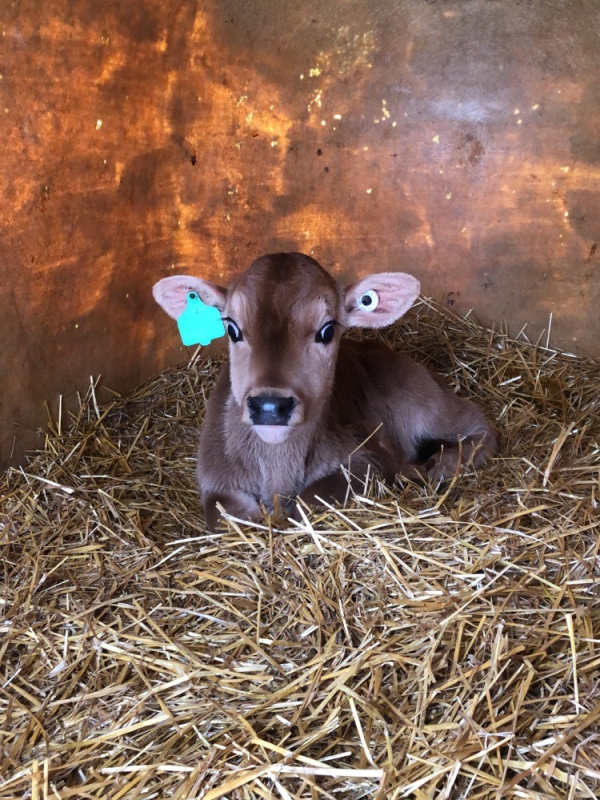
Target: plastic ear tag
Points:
(199, 323)
(369, 300)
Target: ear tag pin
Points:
(369, 300)
(199, 323)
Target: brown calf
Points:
(297, 401)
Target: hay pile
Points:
(413, 645)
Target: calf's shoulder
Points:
(221, 440)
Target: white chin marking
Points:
(273, 434)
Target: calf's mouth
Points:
(272, 414)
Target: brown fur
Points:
(345, 393)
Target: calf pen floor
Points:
(413, 645)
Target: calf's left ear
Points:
(380, 299)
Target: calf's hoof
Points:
(441, 467)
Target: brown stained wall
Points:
(457, 139)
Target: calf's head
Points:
(285, 316)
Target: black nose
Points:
(268, 409)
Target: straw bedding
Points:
(414, 644)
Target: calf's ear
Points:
(171, 293)
(380, 299)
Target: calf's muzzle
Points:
(271, 409)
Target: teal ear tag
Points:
(199, 323)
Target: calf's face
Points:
(284, 317)
(283, 320)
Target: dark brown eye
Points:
(234, 332)
(326, 334)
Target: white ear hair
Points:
(171, 293)
(380, 299)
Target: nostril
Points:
(271, 409)
(287, 405)
(253, 405)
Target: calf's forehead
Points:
(284, 289)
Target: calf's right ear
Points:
(171, 293)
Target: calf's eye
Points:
(234, 332)
(369, 301)
(325, 335)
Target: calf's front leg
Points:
(239, 504)
(332, 488)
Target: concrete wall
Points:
(457, 139)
